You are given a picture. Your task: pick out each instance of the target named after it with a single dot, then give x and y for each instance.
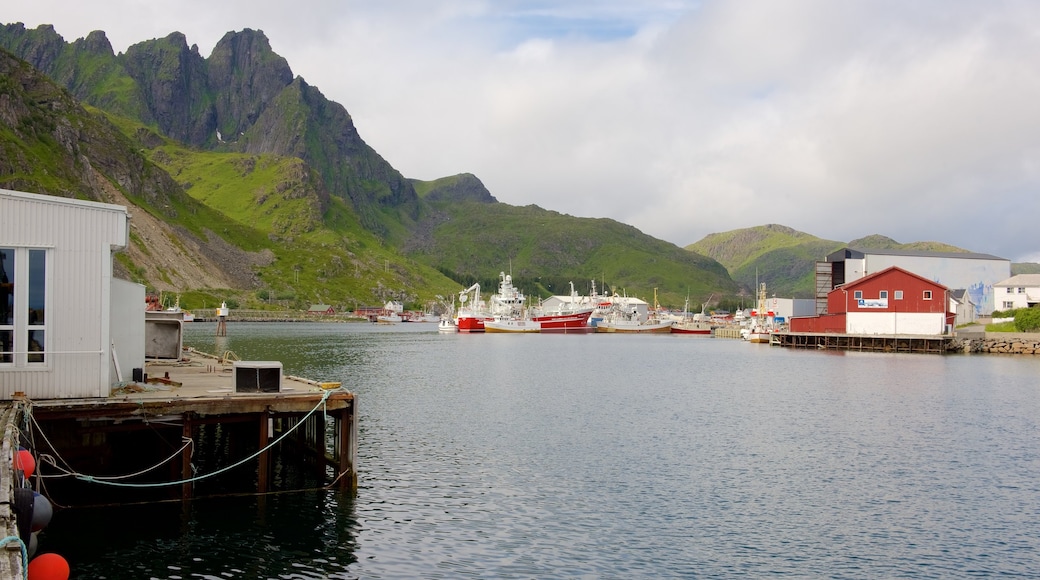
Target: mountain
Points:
(243, 98)
(785, 258)
(781, 257)
(263, 168)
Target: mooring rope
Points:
(25, 553)
(111, 479)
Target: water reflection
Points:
(614, 456)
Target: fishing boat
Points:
(447, 325)
(391, 313)
(570, 315)
(474, 312)
(696, 324)
(758, 331)
(512, 324)
(627, 319)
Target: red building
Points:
(892, 301)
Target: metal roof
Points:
(860, 253)
(1032, 280)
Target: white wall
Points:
(127, 328)
(79, 237)
(895, 323)
(977, 276)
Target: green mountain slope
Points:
(546, 250)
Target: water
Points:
(620, 456)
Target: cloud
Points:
(841, 119)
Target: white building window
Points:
(23, 306)
(899, 294)
(1010, 290)
(1008, 305)
(1021, 290)
(927, 294)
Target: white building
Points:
(962, 307)
(976, 273)
(1022, 291)
(67, 328)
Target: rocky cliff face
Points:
(174, 84)
(242, 98)
(52, 145)
(245, 76)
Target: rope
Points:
(103, 481)
(25, 553)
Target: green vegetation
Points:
(1025, 320)
(545, 251)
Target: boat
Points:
(391, 313)
(571, 315)
(472, 310)
(507, 302)
(627, 319)
(696, 324)
(512, 324)
(447, 324)
(758, 331)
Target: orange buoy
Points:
(49, 567)
(25, 461)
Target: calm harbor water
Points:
(617, 456)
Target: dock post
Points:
(261, 477)
(348, 447)
(186, 432)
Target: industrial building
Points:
(975, 273)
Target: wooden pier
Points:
(867, 343)
(187, 432)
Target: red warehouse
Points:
(892, 301)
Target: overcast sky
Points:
(915, 120)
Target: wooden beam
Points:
(186, 472)
(261, 478)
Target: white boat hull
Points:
(512, 325)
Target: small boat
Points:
(696, 324)
(447, 324)
(391, 313)
(515, 325)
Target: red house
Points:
(892, 301)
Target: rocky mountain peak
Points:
(245, 75)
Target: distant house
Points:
(976, 273)
(892, 301)
(1022, 291)
(321, 309)
(68, 329)
(962, 307)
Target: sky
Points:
(916, 120)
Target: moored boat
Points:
(758, 331)
(696, 324)
(570, 315)
(510, 324)
(627, 319)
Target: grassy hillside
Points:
(546, 250)
(781, 257)
(319, 252)
(784, 258)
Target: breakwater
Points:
(1002, 343)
